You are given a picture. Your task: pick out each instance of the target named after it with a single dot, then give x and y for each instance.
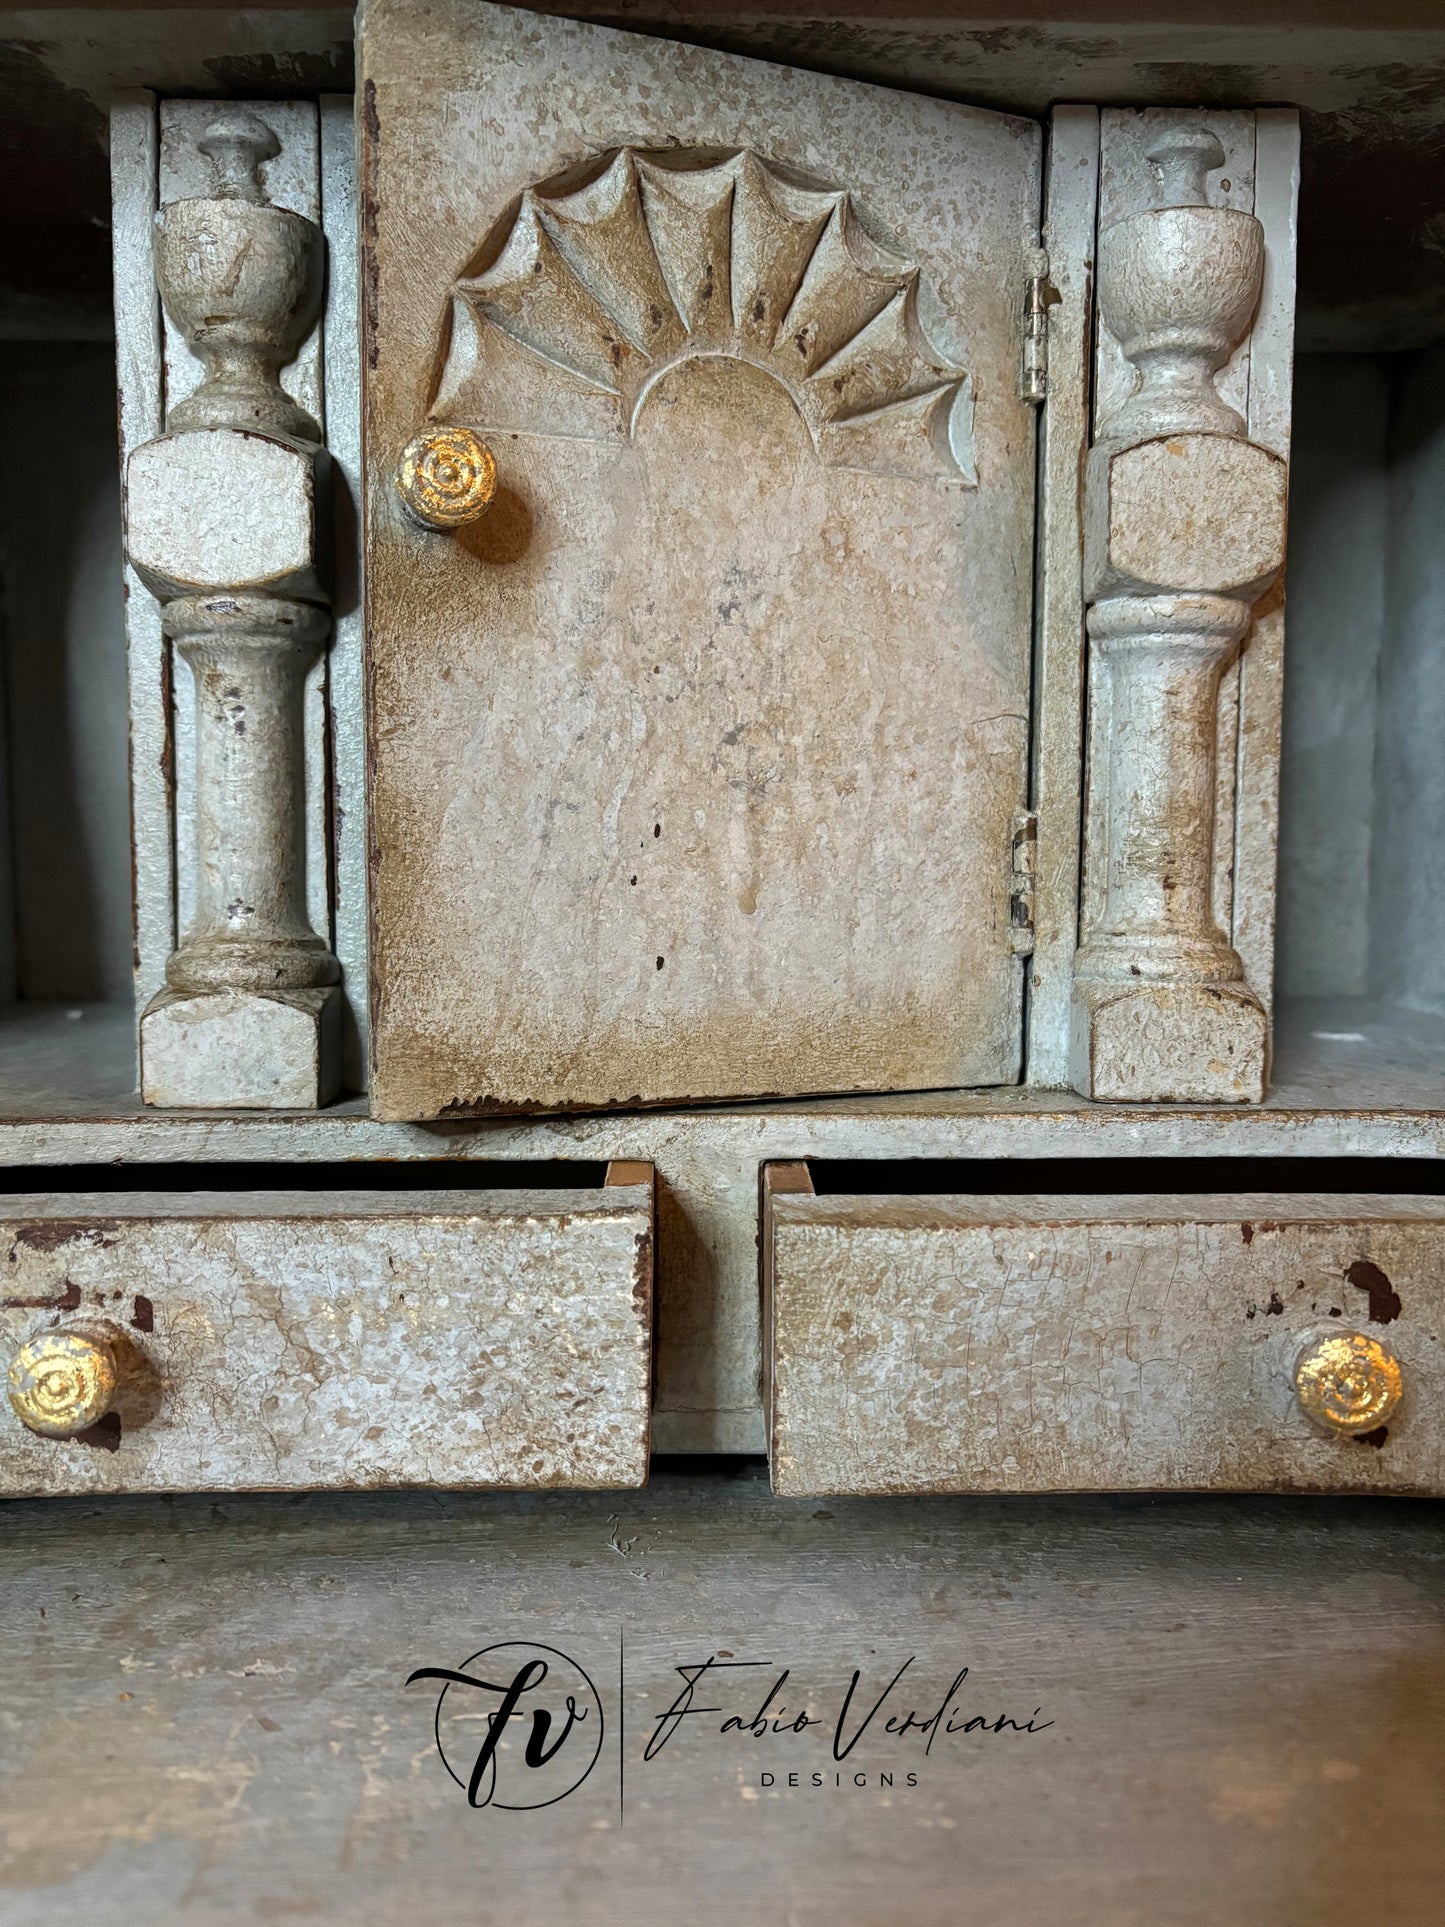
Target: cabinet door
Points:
(695, 759)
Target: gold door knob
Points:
(63, 1381)
(1347, 1382)
(446, 478)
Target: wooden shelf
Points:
(1188, 1651)
(1372, 1074)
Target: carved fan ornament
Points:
(569, 316)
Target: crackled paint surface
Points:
(1085, 1344)
(695, 761)
(498, 1340)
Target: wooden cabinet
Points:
(1046, 1344)
(821, 564)
(658, 577)
(233, 1342)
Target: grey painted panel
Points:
(65, 669)
(960, 1344)
(1333, 632)
(1407, 905)
(462, 1339)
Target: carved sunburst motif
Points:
(599, 286)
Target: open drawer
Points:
(1045, 1344)
(241, 1341)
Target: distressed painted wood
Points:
(293, 1340)
(1353, 1080)
(1261, 663)
(292, 178)
(292, 181)
(155, 156)
(269, 1762)
(140, 395)
(1070, 222)
(342, 765)
(1184, 535)
(695, 761)
(226, 518)
(952, 1344)
(185, 172)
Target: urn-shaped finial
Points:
(1183, 158)
(1178, 287)
(236, 144)
(242, 282)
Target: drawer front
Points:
(261, 1342)
(926, 1344)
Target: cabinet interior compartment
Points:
(1360, 982)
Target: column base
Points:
(241, 1050)
(1168, 1043)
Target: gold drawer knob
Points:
(63, 1381)
(1347, 1382)
(446, 478)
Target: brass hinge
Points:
(1040, 295)
(1021, 884)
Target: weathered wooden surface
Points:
(225, 525)
(140, 397)
(1070, 223)
(205, 1722)
(345, 1339)
(695, 764)
(1062, 1344)
(1252, 838)
(318, 187)
(1352, 1081)
(1184, 533)
(345, 674)
(292, 183)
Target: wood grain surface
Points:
(205, 1724)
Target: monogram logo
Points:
(539, 1718)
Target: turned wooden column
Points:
(223, 519)
(248, 657)
(1184, 529)
(1162, 658)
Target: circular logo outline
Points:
(531, 1646)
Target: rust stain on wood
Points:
(69, 1300)
(46, 1236)
(1384, 1299)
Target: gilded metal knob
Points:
(446, 478)
(1347, 1382)
(63, 1381)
